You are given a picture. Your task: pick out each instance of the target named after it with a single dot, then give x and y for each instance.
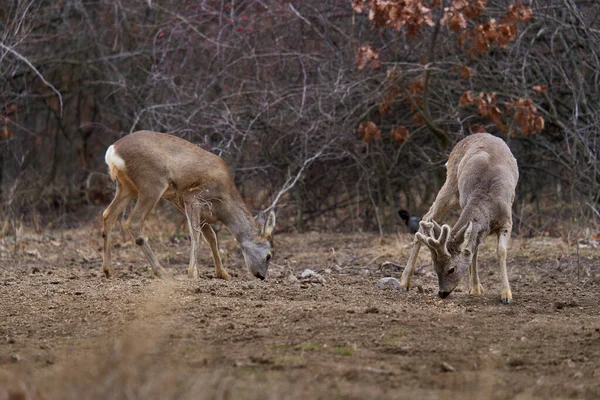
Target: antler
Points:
(434, 236)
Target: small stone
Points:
(389, 283)
(310, 276)
(15, 358)
(447, 367)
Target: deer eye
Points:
(451, 271)
(268, 257)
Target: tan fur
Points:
(481, 176)
(150, 165)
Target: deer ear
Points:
(466, 237)
(269, 224)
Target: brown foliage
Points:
(367, 54)
(527, 117)
(399, 134)
(525, 113)
(367, 130)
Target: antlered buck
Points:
(150, 165)
(481, 175)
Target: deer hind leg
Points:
(503, 237)
(446, 198)
(146, 201)
(476, 287)
(122, 198)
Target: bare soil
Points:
(68, 333)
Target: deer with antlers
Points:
(481, 175)
(150, 166)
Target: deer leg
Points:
(145, 203)
(446, 198)
(503, 237)
(194, 236)
(476, 287)
(211, 238)
(407, 274)
(122, 198)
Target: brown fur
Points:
(198, 183)
(481, 176)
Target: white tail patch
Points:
(114, 161)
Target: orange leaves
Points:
(519, 13)
(397, 14)
(385, 104)
(484, 34)
(367, 54)
(465, 99)
(399, 134)
(465, 72)
(6, 133)
(527, 117)
(525, 114)
(540, 88)
(457, 22)
(414, 15)
(367, 130)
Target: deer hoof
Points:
(109, 273)
(477, 290)
(223, 275)
(161, 273)
(506, 301)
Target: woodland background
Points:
(348, 118)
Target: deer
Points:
(151, 165)
(481, 176)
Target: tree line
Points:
(343, 111)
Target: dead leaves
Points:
(368, 130)
(399, 134)
(525, 113)
(367, 55)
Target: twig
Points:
(38, 73)
(287, 186)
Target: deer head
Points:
(259, 251)
(451, 255)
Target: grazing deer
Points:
(151, 165)
(481, 175)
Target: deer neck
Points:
(240, 222)
(474, 214)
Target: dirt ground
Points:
(68, 333)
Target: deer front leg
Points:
(476, 287)
(503, 237)
(194, 239)
(446, 198)
(200, 216)
(407, 274)
(211, 238)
